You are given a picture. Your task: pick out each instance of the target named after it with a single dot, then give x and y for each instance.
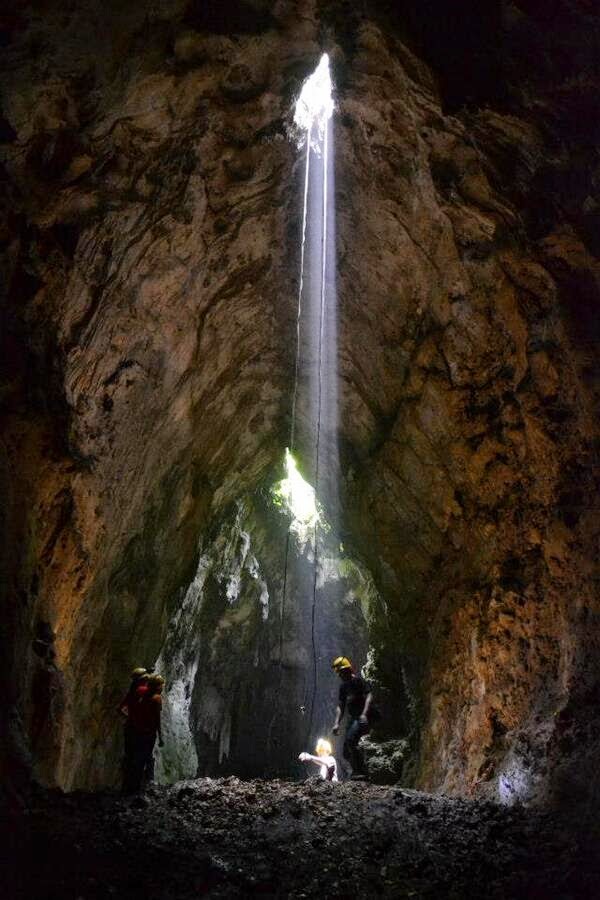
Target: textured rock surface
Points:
(226, 838)
(474, 464)
(238, 656)
(165, 383)
(151, 238)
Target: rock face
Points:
(230, 838)
(158, 390)
(243, 651)
(151, 236)
(474, 464)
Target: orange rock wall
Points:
(151, 237)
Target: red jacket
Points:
(134, 695)
(144, 714)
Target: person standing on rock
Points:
(153, 699)
(137, 689)
(356, 697)
(142, 706)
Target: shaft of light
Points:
(322, 308)
(315, 415)
(315, 103)
(300, 289)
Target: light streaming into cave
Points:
(299, 498)
(314, 107)
(315, 415)
(315, 606)
(314, 419)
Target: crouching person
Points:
(324, 759)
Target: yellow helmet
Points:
(340, 663)
(137, 673)
(156, 680)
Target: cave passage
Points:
(317, 298)
(314, 601)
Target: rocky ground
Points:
(228, 838)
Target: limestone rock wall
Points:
(145, 202)
(239, 657)
(470, 402)
(150, 234)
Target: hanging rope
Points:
(318, 426)
(292, 434)
(319, 410)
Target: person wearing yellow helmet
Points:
(340, 663)
(139, 672)
(142, 708)
(128, 708)
(355, 697)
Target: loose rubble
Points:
(229, 838)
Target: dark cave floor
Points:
(229, 838)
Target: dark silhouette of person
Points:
(356, 697)
(143, 723)
(150, 711)
(128, 707)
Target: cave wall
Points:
(475, 464)
(247, 687)
(470, 382)
(142, 207)
(150, 233)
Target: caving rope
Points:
(292, 437)
(318, 436)
(318, 431)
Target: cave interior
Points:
(151, 236)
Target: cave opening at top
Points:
(315, 600)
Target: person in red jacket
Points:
(146, 721)
(129, 707)
(138, 686)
